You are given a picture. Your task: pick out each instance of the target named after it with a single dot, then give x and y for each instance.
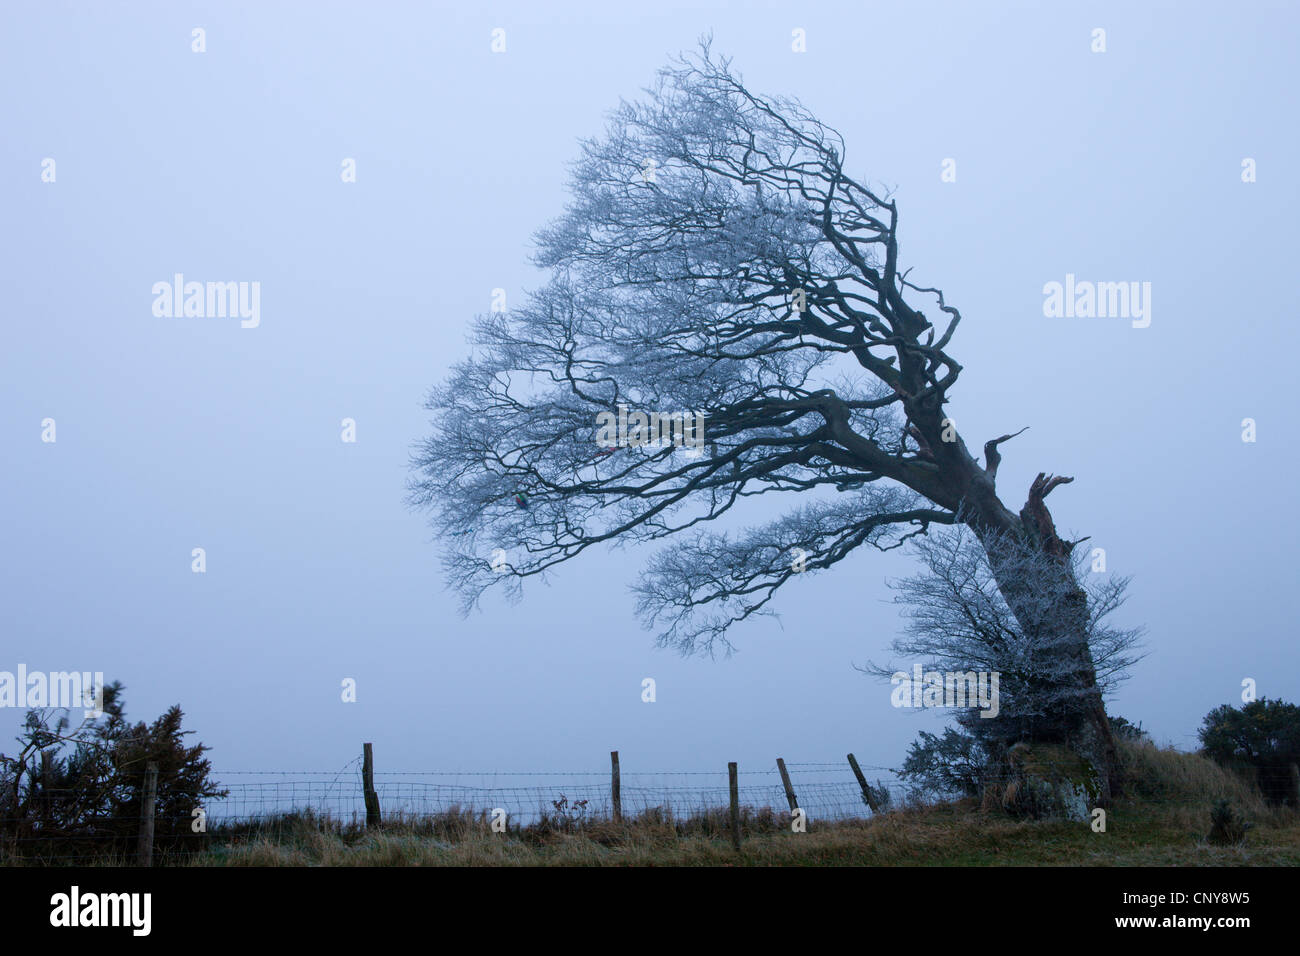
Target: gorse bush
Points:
(1261, 740)
(72, 794)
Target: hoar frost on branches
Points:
(752, 278)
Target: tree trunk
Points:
(1036, 577)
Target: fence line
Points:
(359, 796)
(826, 792)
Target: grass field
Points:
(1162, 820)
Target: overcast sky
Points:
(181, 433)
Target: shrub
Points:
(954, 764)
(78, 793)
(1260, 739)
(1227, 827)
(1124, 730)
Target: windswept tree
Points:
(719, 257)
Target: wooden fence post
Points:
(149, 796)
(785, 781)
(368, 786)
(615, 787)
(862, 782)
(735, 804)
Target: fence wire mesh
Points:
(260, 804)
(824, 792)
(263, 800)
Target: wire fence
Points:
(824, 792)
(257, 803)
(55, 828)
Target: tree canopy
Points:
(717, 256)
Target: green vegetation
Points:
(1261, 740)
(73, 794)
